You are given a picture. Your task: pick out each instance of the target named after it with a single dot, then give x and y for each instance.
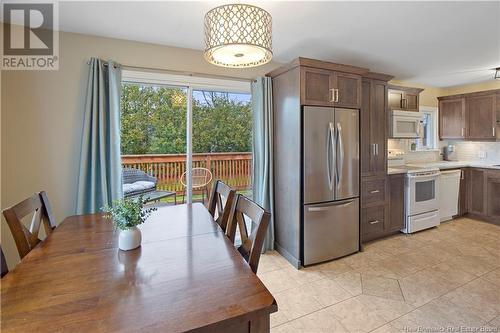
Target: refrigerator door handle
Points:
(330, 167)
(339, 169)
(328, 158)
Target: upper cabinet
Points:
(472, 116)
(452, 119)
(482, 112)
(325, 83)
(330, 88)
(403, 98)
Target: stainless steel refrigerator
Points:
(331, 183)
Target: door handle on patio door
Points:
(341, 155)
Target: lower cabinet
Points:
(493, 195)
(396, 202)
(483, 192)
(382, 202)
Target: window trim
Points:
(195, 82)
(434, 118)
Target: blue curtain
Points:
(263, 169)
(100, 178)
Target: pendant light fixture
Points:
(238, 36)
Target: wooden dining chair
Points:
(26, 239)
(251, 245)
(5, 269)
(216, 204)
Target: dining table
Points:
(185, 277)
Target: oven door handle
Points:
(433, 176)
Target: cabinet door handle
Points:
(463, 131)
(332, 95)
(494, 131)
(376, 148)
(374, 191)
(374, 222)
(462, 174)
(336, 95)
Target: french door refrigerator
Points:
(331, 183)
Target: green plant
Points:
(128, 213)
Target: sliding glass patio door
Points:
(186, 132)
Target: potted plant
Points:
(127, 214)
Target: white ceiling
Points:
(433, 43)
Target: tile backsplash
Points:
(487, 152)
(476, 151)
(401, 148)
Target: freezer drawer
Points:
(331, 230)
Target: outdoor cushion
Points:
(139, 186)
(145, 184)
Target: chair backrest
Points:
(201, 177)
(5, 269)
(132, 175)
(251, 245)
(216, 204)
(26, 239)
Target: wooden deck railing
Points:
(235, 169)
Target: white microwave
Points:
(405, 124)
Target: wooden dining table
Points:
(186, 276)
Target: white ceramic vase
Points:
(129, 239)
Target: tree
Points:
(153, 121)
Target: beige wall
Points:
(487, 85)
(42, 115)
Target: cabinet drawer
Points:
(372, 220)
(373, 191)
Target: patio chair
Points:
(201, 179)
(136, 182)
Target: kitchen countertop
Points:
(443, 165)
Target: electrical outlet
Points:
(481, 154)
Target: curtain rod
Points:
(161, 70)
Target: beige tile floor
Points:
(438, 280)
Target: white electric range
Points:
(421, 196)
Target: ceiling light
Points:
(497, 73)
(238, 35)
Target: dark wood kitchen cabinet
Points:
(484, 194)
(303, 82)
(452, 118)
(373, 124)
(323, 87)
(403, 98)
(476, 191)
(482, 113)
(373, 156)
(493, 195)
(383, 207)
(396, 220)
(474, 116)
(463, 203)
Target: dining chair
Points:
(5, 269)
(251, 245)
(217, 205)
(26, 239)
(201, 179)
